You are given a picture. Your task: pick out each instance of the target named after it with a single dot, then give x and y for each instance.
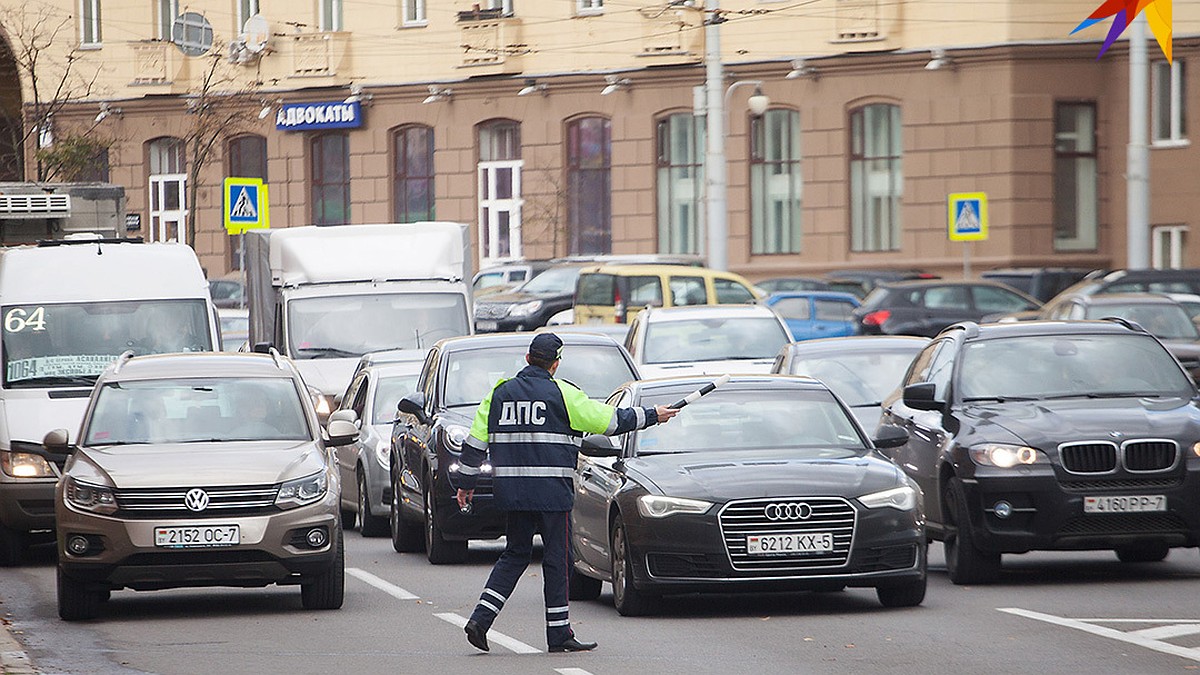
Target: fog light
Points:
(78, 545)
(1002, 509)
(316, 537)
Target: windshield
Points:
(352, 325)
(810, 421)
(596, 369)
(197, 410)
(861, 378)
(554, 281)
(1165, 322)
(70, 344)
(714, 339)
(1042, 366)
(388, 393)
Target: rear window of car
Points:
(596, 289)
(688, 291)
(730, 292)
(792, 308)
(833, 310)
(646, 290)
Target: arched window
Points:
(680, 183)
(412, 174)
(775, 182)
(876, 177)
(331, 179)
(248, 157)
(589, 185)
(500, 190)
(168, 189)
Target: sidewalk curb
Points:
(13, 659)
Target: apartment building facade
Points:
(562, 127)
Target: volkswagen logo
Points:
(788, 511)
(196, 499)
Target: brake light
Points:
(618, 307)
(876, 318)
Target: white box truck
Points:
(69, 308)
(327, 295)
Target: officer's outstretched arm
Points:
(594, 417)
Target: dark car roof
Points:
(989, 331)
(498, 340)
(200, 364)
(858, 343)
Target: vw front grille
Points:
(1089, 457)
(172, 502)
(827, 514)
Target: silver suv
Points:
(199, 470)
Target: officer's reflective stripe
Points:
(612, 424)
(534, 471)
(468, 470)
(489, 605)
(556, 610)
(534, 437)
(564, 622)
(494, 594)
(640, 414)
(476, 443)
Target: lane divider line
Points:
(1112, 634)
(511, 644)
(571, 671)
(390, 589)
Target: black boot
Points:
(477, 635)
(573, 645)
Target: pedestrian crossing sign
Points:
(246, 205)
(968, 216)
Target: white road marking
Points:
(390, 589)
(1129, 637)
(511, 644)
(1164, 632)
(571, 671)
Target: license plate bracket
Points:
(1125, 504)
(785, 543)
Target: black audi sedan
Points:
(767, 483)
(434, 421)
(1047, 435)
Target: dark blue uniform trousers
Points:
(556, 559)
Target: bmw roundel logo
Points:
(196, 499)
(788, 511)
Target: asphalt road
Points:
(1052, 612)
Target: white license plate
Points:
(1128, 504)
(206, 536)
(789, 542)
(486, 325)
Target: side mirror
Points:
(890, 436)
(344, 414)
(921, 396)
(599, 445)
(56, 440)
(342, 432)
(414, 404)
(262, 348)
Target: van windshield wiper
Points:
(82, 380)
(319, 352)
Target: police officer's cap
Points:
(546, 346)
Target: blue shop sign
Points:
(327, 115)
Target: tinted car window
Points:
(1166, 322)
(645, 291)
(730, 292)
(861, 378)
(920, 365)
(988, 299)
(946, 297)
(688, 291)
(792, 308)
(471, 374)
(833, 310)
(596, 289)
(388, 393)
(713, 340)
(554, 281)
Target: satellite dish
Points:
(192, 33)
(255, 33)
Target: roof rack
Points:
(122, 360)
(44, 243)
(970, 328)
(1131, 325)
(275, 356)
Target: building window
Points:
(680, 167)
(412, 187)
(500, 190)
(1167, 102)
(1167, 246)
(775, 182)
(95, 170)
(168, 189)
(246, 9)
(876, 177)
(584, 7)
(167, 11)
(331, 15)
(414, 13)
(331, 179)
(1076, 204)
(589, 185)
(89, 22)
(247, 159)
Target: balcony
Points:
(491, 41)
(673, 35)
(319, 54)
(862, 20)
(158, 63)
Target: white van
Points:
(68, 309)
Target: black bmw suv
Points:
(1081, 435)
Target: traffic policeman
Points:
(531, 426)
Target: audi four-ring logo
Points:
(196, 499)
(788, 511)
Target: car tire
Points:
(909, 593)
(12, 547)
(76, 601)
(349, 517)
(328, 589)
(407, 537)
(438, 549)
(583, 587)
(1146, 553)
(628, 600)
(965, 563)
(368, 525)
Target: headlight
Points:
(525, 308)
(94, 498)
(1196, 449)
(455, 435)
(25, 465)
(382, 452)
(1002, 455)
(903, 498)
(653, 506)
(302, 491)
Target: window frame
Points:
(90, 24)
(1175, 100)
(671, 179)
(245, 10)
(316, 186)
(1168, 245)
(582, 168)
(167, 180)
(767, 159)
(498, 155)
(400, 139)
(876, 236)
(413, 13)
(167, 10)
(331, 16)
(1086, 234)
(589, 7)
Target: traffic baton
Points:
(690, 398)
